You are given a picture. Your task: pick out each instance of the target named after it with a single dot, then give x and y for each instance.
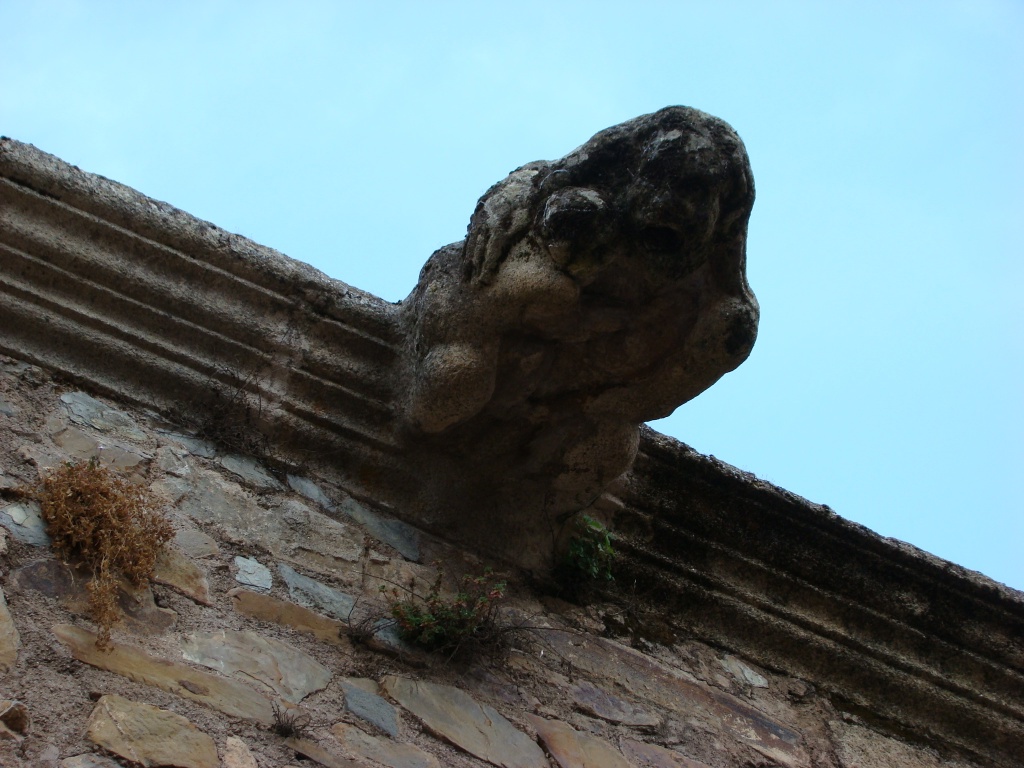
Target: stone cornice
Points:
(141, 301)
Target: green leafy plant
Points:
(590, 553)
(467, 619)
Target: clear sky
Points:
(885, 243)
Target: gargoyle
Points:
(591, 294)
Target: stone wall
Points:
(746, 626)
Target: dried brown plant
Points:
(104, 521)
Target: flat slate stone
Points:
(390, 753)
(195, 543)
(253, 573)
(272, 609)
(744, 673)
(84, 409)
(148, 735)
(79, 445)
(368, 706)
(599, 703)
(576, 749)
(315, 752)
(24, 520)
(179, 572)
(9, 640)
(251, 471)
(313, 594)
(390, 530)
(454, 716)
(220, 693)
(284, 669)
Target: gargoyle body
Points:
(591, 294)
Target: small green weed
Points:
(590, 550)
(464, 621)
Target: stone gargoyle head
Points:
(591, 294)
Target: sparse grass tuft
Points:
(289, 723)
(109, 524)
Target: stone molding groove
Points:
(140, 301)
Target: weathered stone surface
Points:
(599, 703)
(653, 756)
(9, 640)
(8, 409)
(666, 687)
(744, 673)
(291, 531)
(392, 754)
(591, 294)
(25, 522)
(138, 610)
(313, 594)
(194, 445)
(362, 701)
(82, 446)
(253, 573)
(85, 409)
(251, 471)
(227, 696)
(575, 749)
(172, 461)
(267, 608)
(181, 573)
(148, 735)
(285, 670)
(454, 716)
(195, 543)
(237, 755)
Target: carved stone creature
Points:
(590, 295)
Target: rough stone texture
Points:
(291, 531)
(221, 694)
(574, 749)
(392, 754)
(314, 751)
(283, 669)
(9, 640)
(477, 728)
(88, 761)
(150, 736)
(591, 294)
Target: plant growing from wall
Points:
(590, 551)
(109, 524)
(453, 624)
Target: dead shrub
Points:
(104, 521)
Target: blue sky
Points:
(884, 245)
